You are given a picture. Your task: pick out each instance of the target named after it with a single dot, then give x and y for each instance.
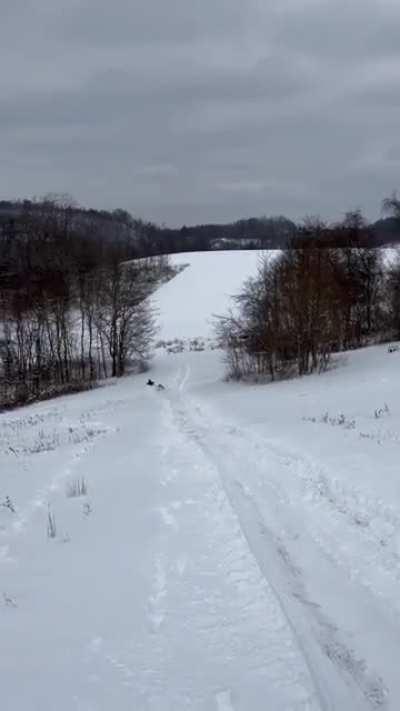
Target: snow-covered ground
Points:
(202, 290)
(238, 548)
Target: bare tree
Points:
(69, 305)
(308, 302)
(123, 317)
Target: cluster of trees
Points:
(310, 301)
(73, 306)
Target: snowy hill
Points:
(237, 548)
(187, 303)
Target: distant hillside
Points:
(102, 223)
(186, 304)
(147, 238)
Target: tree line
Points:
(309, 302)
(149, 239)
(74, 307)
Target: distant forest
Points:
(148, 239)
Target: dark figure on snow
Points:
(160, 387)
(150, 382)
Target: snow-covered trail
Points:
(149, 596)
(225, 642)
(347, 630)
(212, 565)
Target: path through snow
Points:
(212, 565)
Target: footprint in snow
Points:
(181, 564)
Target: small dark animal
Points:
(393, 349)
(160, 387)
(150, 382)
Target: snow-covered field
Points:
(202, 290)
(238, 547)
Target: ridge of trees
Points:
(307, 303)
(148, 239)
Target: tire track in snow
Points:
(286, 578)
(321, 650)
(186, 425)
(156, 610)
(217, 607)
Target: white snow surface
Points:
(187, 304)
(238, 547)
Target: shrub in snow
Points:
(51, 525)
(87, 509)
(350, 425)
(76, 488)
(8, 601)
(32, 441)
(381, 411)
(8, 504)
(339, 421)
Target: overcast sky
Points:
(188, 111)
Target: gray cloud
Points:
(203, 110)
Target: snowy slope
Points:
(238, 548)
(187, 304)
